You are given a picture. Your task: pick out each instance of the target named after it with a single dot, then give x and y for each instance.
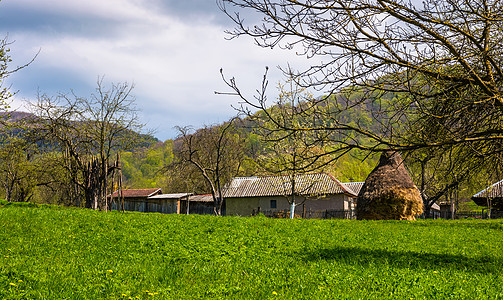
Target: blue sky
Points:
(171, 50)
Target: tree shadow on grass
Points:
(405, 259)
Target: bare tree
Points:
(440, 173)
(5, 71)
(90, 131)
(288, 153)
(216, 153)
(16, 169)
(430, 72)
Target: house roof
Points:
(354, 186)
(305, 184)
(201, 198)
(170, 196)
(494, 193)
(138, 193)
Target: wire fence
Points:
(309, 214)
(351, 214)
(464, 215)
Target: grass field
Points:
(49, 252)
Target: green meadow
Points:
(50, 252)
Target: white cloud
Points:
(173, 62)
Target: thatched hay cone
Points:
(388, 192)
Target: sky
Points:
(171, 50)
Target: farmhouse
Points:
(245, 196)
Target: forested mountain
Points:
(152, 163)
(24, 124)
(50, 160)
(160, 166)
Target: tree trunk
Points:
(292, 210)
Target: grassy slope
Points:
(56, 253)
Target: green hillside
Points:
(49, 252)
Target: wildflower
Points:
(110, 271)
(435, 272)
(274, 293)
(12, 284)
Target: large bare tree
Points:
(288, 153)
(90, 131)
(216, 152)
(428, 72)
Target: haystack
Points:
(388, 192)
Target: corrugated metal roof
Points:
(305, 184)
(201, 198)
(354, 186)
(137, 193)
(494, 191)
(170, 196)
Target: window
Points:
(273, 203)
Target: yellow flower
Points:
(274, 293)
(12, 283)
(110, 271)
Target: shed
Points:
(134, 199)
(491, 197)
(199, 204)
(149, 200)
(167, 203)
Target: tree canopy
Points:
(430, 72)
